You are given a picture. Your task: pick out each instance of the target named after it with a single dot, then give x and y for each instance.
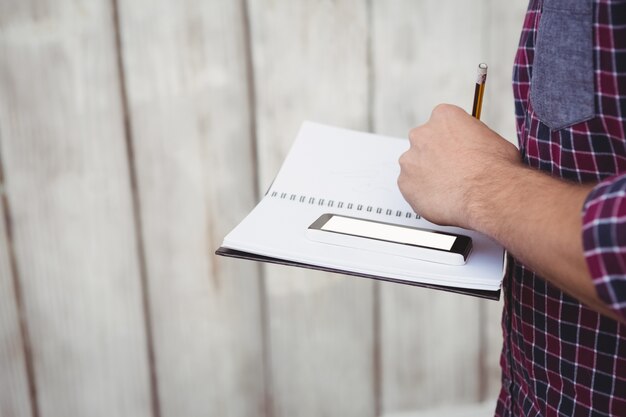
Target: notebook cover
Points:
(491, 295)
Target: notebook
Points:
(345, 172)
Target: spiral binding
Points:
(342, 205)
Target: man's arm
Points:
(488, 189)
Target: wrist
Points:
(490, 195)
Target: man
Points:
(559, 209)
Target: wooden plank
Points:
(503, 32)
(468, 410)
(430, 349)
(15, 399)
(492, 37)
(505, 25)
(310, 61)
(186, 75)
(425, 53)
(67, 183)
(491, 314)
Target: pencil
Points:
(481, 80)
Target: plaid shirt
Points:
(559, 357)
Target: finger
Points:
(415, 134)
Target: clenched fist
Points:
(453, 159)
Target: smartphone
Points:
(394, 239)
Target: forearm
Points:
(538, 219)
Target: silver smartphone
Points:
(394, 239)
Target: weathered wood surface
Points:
(125, 307)
(310, 62)
(14, 389)
(67, 183)
(430, 340)
(504, 23)
(185, 67)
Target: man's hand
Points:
(450, 156)
(459, 172)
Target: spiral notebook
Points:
(340, 171)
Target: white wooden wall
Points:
(135, 134)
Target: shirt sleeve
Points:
(604, 240)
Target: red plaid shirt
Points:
(560, 358)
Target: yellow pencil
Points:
(481, 80)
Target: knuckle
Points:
(406, 160)
(402, 159)
(444, 109)
(414, 134)
(401, 183)
(439, 108)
